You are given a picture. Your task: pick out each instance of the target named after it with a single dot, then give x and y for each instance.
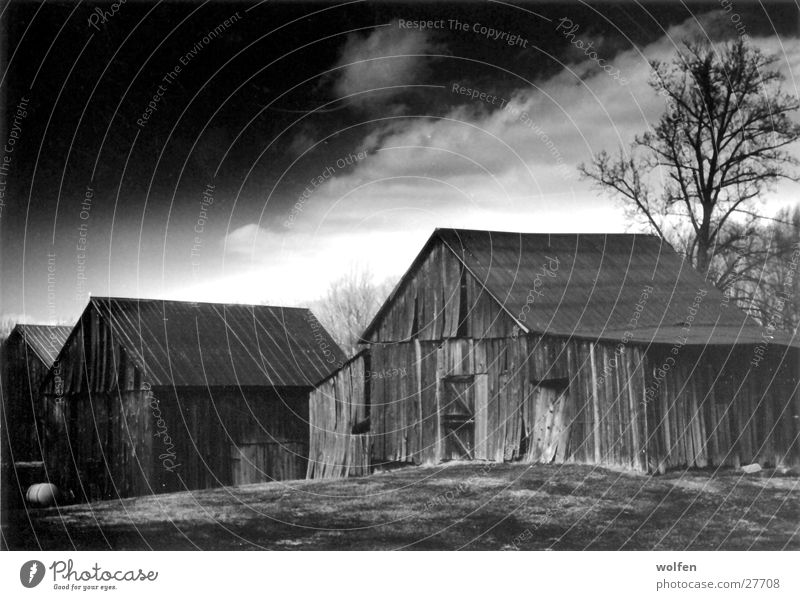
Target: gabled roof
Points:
(204, 344)
(594, 291)
(45, 341)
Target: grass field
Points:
(455, 506)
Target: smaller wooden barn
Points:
(157, 396)
(28, 354)
(606, 349)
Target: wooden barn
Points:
(602, 348)
(156, 396)
(28, 354)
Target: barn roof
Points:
(45, 341)
(589, 286)
(204, 344)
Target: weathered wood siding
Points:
(97, 428)
(105, 445)
(100, 445)
(93, 362)
(229, 436)
(542, 399)
(431, 305)
(511, 419)
(335, 407)
(715, 408)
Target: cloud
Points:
(526, 145)
(248, 240)
(387, 57)
(507, 166)
(303, 140)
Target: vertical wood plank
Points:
(595, 406)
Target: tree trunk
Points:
(703, 260)
(703, 256)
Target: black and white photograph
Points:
(364, 275)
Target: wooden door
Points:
(546, 432)
(458, 418)
(264, 461)
(242, 464)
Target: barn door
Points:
(242, 464)
(458, 417)
(546, 433)
(261, 461)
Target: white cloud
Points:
(387, 57)
(481, 158)
(248, 240)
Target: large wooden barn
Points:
(603, 349)
(28, 354)
(156, 396)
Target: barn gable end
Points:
(439, 298)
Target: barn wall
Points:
(97, 429)
(606, 416)
(714, 408)
(107, 445)
(98, 445)
(231, 436)
(543, 399)
(514, 419)
(335, 407)
(429, 305)
(23, 374)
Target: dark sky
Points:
(285, 95)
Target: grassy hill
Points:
(475, 506)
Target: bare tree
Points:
(697, 177)
(769, 286)
(349, 305)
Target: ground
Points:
(455, 506)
